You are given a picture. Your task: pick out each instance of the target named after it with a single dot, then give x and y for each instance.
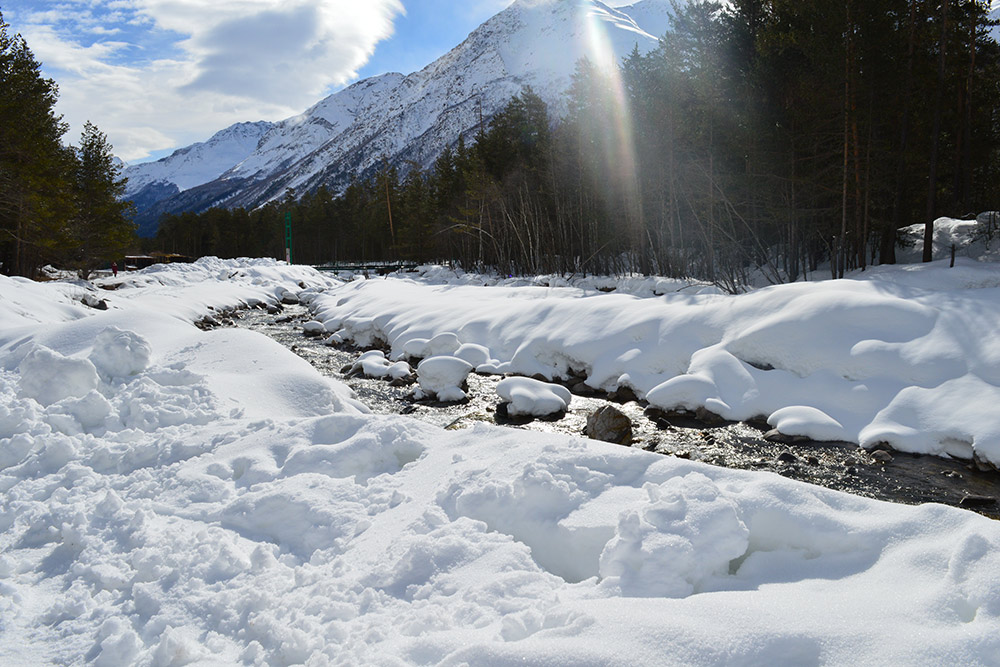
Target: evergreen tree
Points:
(102, 228)
(35, 169)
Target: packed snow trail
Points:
(172, 496)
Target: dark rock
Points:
(882, 456)
(657, 416)
(273, 309)
(581, 388)
(289, 298)
(622, 395)
(977, 501)
(787, 457)
(207, 322)
(707, 416)
(610, 424)
(812, 460)
(404, 381)
(982, 465)
(92, 301)
(774, 435)
(760, 365)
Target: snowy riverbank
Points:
(901, 356)
(174, 496)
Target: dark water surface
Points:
(906, 478)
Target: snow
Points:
(373, 364)
(176, 496)
(442, 377)
(527, 396)
(201, 162)
(891, 357)
(410, 119)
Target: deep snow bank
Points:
(898, 355)
(170, 496)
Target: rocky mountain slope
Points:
(404, 120)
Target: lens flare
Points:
(618, 140)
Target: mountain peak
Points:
(407, 120)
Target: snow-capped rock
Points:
(527, 396)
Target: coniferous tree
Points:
(35, 168)
(102, 229)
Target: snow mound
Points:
(527, 396)
(218, 501)
(373, 364)
(47, 376)
(442, 378)
(119, 354)
(687, 533)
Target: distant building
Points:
(135, 262)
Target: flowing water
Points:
(903, 478)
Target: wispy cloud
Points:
(156, 74)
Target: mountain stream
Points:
(892, 476)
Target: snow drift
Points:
(174, 496)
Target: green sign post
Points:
(288, 238)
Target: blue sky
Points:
(159, 74)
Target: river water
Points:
(906, 478)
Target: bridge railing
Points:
(380, 267)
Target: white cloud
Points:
(227, 61)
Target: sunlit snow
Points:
(178, 496)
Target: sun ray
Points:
(619, 140)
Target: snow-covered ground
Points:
(174, 496)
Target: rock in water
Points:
(610, 424)
(882, 456)
(531, 397)
(441, 378)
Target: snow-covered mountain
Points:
(403, 119)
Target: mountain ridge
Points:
(402, 119)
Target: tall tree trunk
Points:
(935, 139)
(841, 245)
(887, 253)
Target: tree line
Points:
(59, 204)
(761, 135)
